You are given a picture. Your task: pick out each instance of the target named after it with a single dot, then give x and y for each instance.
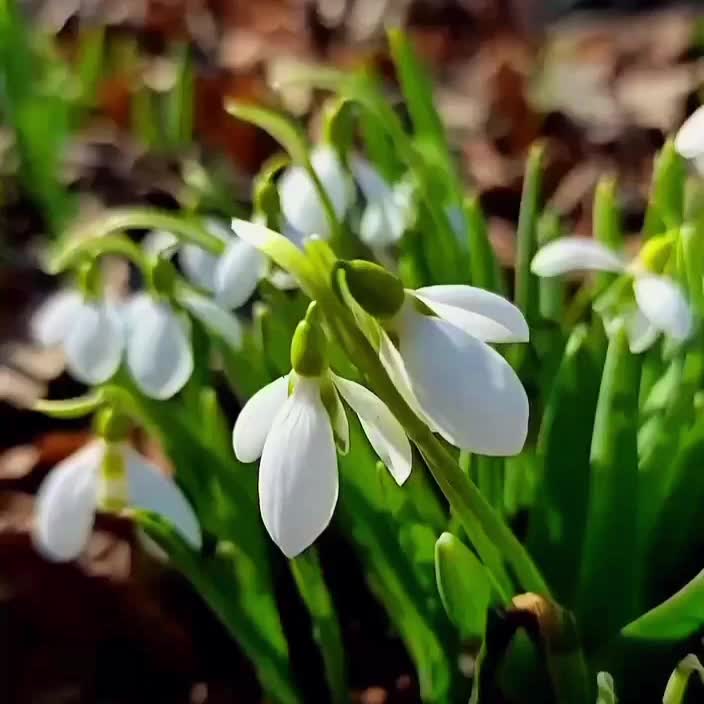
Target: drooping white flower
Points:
(231, 277)
(77, 488)
(293, 435)
(300, 203)
(89, 330)
(159, 354)
(451, 377)
(689, 141)
(660, 305)
(388, 211)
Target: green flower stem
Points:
(311, 585)
(98, 247)
(484, 527)
(92, 236)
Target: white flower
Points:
(159, 355)
(461, 387)
(231, 277)
(660, 305)
(293, 435)
(90, 331)
(388, 211)
(76, 489)
(689, 141)
(300, 203)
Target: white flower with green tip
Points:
(103, 476)
(659, 305)
(456, 382)
(293, 424)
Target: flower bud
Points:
(376, 290)
(309, 346)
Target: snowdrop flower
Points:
(689, 141)
(103, 476)
(89, 330)
(451, 377)
(660, 304)
(231, 277)
(300, 203)
(292, 424)
(388, 211)
(158, 346)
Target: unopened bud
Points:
(377, 291)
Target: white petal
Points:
(219, 321)
(370, 181)
(237, 274)
(157, 242)
(689, 141)
(575, 254)
(467, 388)
(663, 303)
(255, 419)
(396, 369)
(386, 435)
(483, 314)
(641, 332)
(66, 503)
(159, 351)
(198, 265)
(51, 320)
(383, 224)
(151, 490)
(300, 203)
(298, 482)
(94, 343)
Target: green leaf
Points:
(278, 125)
(485, 271)
(309, 579)
(551, 289)
(558, 519)
(677, 618)
(465, 588)
(605, 598)
(607, 220)
(526, 236)
(179, 103)
(246, 608)
(666, 201)
(417, 89)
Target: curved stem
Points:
(120, 220)
(99, 247)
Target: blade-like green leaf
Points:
(526, 236)
(606, 593)
(558, 519)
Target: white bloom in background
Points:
(389, 208)
(446, 371)
(689, 141)
(97, 335)
(90, 332)
(231, 277)
(660, 304)
(158, 345)
(293, 435)
(300, 203)
(77, 488)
